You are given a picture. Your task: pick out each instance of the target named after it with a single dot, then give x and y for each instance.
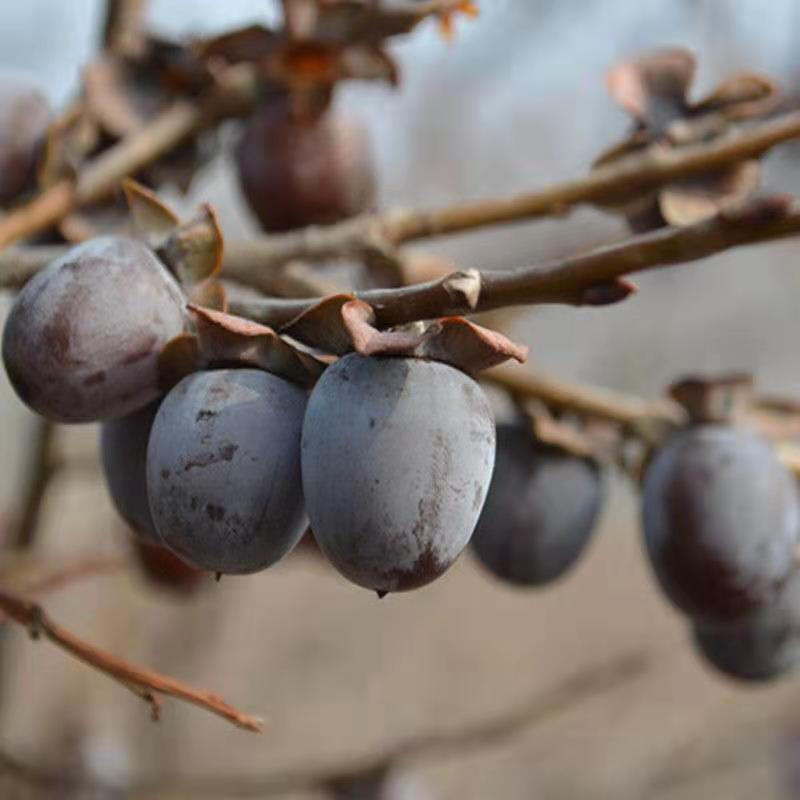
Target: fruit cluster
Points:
(228, 466)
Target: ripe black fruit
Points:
(540, 512)
(295, 172)
(397, 459)
(720, 522)
(223, 469)
(123, 453)
(83, 337)
(760, 648)
(24, 117)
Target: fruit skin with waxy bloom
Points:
(397, 458)
(721, 522)
(223, 469)
(24, 119)
(123, 455)
(83, 338)
(540, 512)
(296, 172)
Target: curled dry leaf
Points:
(563, 435)
(193, 250)
(153, 220)
(342, 323)
(322, 326)
(724, 398)
(226, 339)
(654, 90)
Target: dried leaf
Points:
(366, 340)
(251, 44)
(179, 358)
(193, 250)
(225, 339)
(697, 199)
(322, 326)
(153, 220)
(653, 88)
(724, 398)
(209, 294)
(452, 340)
(558, 434)
(741, 97)
(369, 63)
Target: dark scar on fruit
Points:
(95, 378)
(215, 513)
(224, 453)
(205, 414)
(426, 569)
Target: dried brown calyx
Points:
(725, 399)
(325, 41)
(654, 91)
(342, 323)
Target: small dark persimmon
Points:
(721, 522)
(24, 118)
(540, 512)
(296, 172)
(164, 569)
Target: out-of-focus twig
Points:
(123, 25)
(148, 685)
(591, 682)
(35, 481)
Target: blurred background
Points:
(621, 707)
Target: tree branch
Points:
(99, 178)
(144, 683)
(592, 278)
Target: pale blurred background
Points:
(515, 102)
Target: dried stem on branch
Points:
(147, 684)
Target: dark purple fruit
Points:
(397, 459)
(123, 453)
(24, 118)
(762, 647)
(83, 337)
(223, 469)
(164, 569)
(540, 512)
(295, 173)
(720, 522)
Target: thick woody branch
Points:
(593, 278)
(144, 683)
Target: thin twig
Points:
(36, 480)
(143, 682)
(587, 684)
(592, 278)
(629, 411)
(123, 25)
